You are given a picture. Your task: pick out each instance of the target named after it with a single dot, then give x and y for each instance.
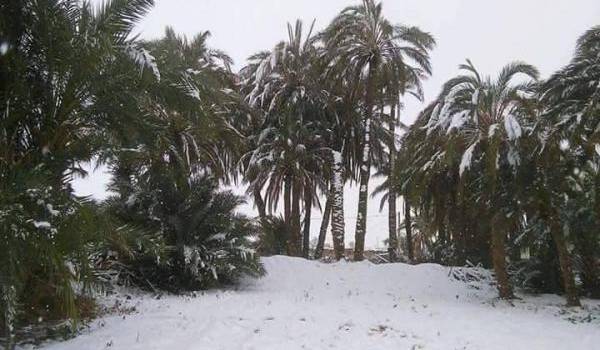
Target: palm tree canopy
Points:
(572, 95)
(473, 109)
(360, 37)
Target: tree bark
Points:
(9, 300)
(392, 224)
(365, 168)
(260, 204)
(324, 225)
(408, 228)
(498, 252)
(586, 249)
(307, 212)
(337, 206)
(363, 199)
(287, 195)
(295, 238)
(566, 266)
(392, 227)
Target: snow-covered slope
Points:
(308, 305)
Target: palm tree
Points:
(55, 56)
(288, 153)
(571, 98)
(482, 118)
(415, 177)
(49, 115)
(343, 122)
(368, 48)
(572, 95)
(186, 136)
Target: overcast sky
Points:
(491, 33)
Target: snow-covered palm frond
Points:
(142, 58)
(467, 158)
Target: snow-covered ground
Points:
(308, 305)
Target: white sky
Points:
(491, 33)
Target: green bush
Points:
(207, 242)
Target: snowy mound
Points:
(303, 304)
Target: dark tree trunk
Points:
(589, 252)
(566, 266)
(365, 168)
(294, 242)
(324, 225)
(392, 224)
(498, 253)
(408, 228)
(287, 199)
(586, 249)
(392, 227)
(260, 205)
(307, 211)
(363, 200)
(337, 206)
(8, 301)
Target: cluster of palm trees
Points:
(76, 86)
(503, 172)
(326, 106)
(511, 165)
(500, 171)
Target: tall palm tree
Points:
(416, 174)
(571, 98)
(366, 44)
(186, 134)
(343, 122)
(284, 85)
(482, 118)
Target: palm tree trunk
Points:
(294, 242)
(363, 199)
(9, 300)
(392, 226)
(287, 189)
(365, 169)
(564, 258)
(260, 205)
(498, 253)
(408, 228)
(393, 235)
(586, 249)
(337, 206)
(307, 210)
(324, 225)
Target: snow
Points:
(475, 98)
(217, 237)
(51, 210)
(564, 145)
(513, 157)
(458, 120)
(465, 162)
(304, 304)
(143, 58)
(3, 48)
(42, 224)
(513, 129)
(492, 130)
